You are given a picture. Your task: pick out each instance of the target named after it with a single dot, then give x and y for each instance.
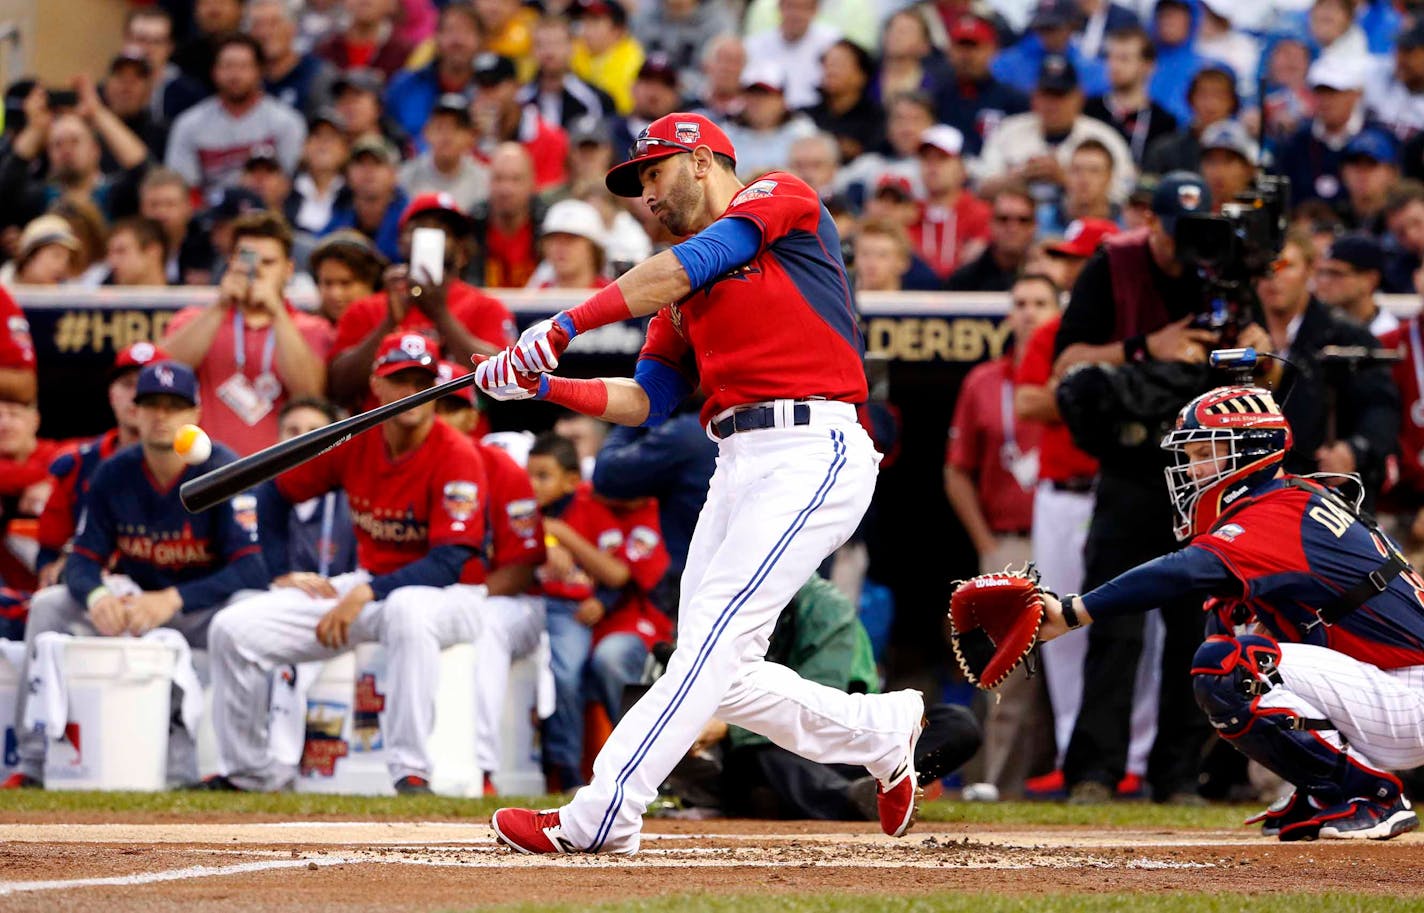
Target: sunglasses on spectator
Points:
(640, 147)
(1335, 272)
(1017, 220)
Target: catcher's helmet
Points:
(1250, 437)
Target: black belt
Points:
(1079, 485)
(755, 418)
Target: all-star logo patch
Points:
(754, 191)
(687, 132)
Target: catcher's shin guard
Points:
(1238, 686)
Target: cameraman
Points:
(1133, 306)
(1300, 325)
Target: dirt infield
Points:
(382, 866)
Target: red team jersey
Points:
(401, 508)
(1292, 553)
(1058, 459)
(648, 561)
(514, 528)
(17, 349)
(485, 317)
(595, 523)
(784, 325)
(71, 471)
(979, 446)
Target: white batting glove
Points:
(499, 378)
(540, 347)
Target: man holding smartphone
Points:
(252, 350)
(463, 319)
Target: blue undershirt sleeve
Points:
(1147, 586)
(440, 567)
(665, 386)
(720, 247)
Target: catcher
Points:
(1326, 685)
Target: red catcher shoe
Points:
(898, 798)
(1130, 785)
(21, 781)
(1047, 785)
(527, 831)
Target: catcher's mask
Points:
(1249, 438)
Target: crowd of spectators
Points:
(261, 147)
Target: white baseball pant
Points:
(510, 630)
(249, 639)
(780, 501)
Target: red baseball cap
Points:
(671, 135)
(895, 183)
(435, 202)
(400, 351)
(135, 357)
(973, 29)
(1083, 237)
(447, 371)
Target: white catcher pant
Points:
(510, 630)
(1060, 532)
(1380, 713)
(250, 638)
(781, 500)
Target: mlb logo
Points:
(1190, 196)
(687, 132)
(165, 375)
(413, 345)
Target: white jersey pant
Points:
(249, 639)
(1060, 532)
(780, 501)
(1379, 713)
(509, 630)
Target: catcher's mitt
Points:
(994, 621)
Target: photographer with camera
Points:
(1137, 306)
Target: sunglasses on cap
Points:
(641, 146)
(401, 356)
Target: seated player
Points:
(416, 489)
(579, 581)
(1330, 694)
(180, 568)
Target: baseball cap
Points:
(1231, 136)
(400, 351)
(1359, 250)
(363, 79)
(897, 184)
(670, 135)
(327, 115)
(973, 30)
(1055, 14)
(135, 357)
(1083, 237)
(233, 202)
(575, 217)
(944, 138)
(455, 105)
(1411, 38)
(438, 202)
(1336, 72)
(610, 8)
(47, 229)
(1180, 193)
(591, 131)
(376, 146)
(262, 154)
(1374, 144)
(170, 377)
(493, 69)
(447, 371)
(765, 74)
(1057, 74)
(659, 68)
(131, 56)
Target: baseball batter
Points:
(763, 319)
(1328, 689)
(416, 490)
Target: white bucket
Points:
(9, 690)
(521, 770)
(117, 734)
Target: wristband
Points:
(1070, 614)
(1134, 349)
(589, 397)
(99, 592)
(606, 306)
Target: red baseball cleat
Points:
(489, 788)
(898, 798)
(527, 831)
(21, 781)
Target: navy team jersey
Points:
(134, 526)
(1284, 554)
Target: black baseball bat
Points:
(215, 487)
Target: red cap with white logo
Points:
(400, 351)
(434, 202)
(671, 135)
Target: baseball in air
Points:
(192, 444)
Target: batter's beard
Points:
(682, 202)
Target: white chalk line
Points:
(142, 878)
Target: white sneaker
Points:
(980, 792)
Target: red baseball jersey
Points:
(71, 471)
(783, 326)
(17, 349)
(648, 561)
(1411, 398)
(514, 528)
(1000, 456)
(487, 318)
(943, 232)
(595, 523)
(1058, 459)
(404, 507)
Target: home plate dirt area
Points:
(231, 867)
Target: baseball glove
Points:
(994, 621)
